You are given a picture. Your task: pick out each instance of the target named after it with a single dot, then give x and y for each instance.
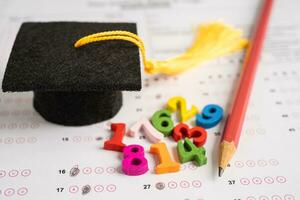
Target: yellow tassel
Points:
(213, 40)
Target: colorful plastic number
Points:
(187, 152)
(198, 133)
(115, 143)
(150, 132)
(211, 115)
(134, 162)
(161, 120)
(176, 103)
(166, 164)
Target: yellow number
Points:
(178, 102)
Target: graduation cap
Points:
(72, 86)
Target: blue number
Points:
(211, 115)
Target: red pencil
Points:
(236, 117)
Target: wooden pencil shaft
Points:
(239, 107)
(234, 123)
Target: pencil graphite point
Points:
(227, 149)
(221, 171)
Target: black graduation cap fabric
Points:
(73, 86)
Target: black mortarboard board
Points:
(73, 86)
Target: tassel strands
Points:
(213, 40)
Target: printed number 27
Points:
(146, 186)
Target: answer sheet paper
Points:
(41, 160)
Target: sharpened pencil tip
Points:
(221, 171)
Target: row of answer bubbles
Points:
(259, 163)
(19, 125)
(264, 180)
(74, 171)
(16, 113)
(273, 197)
(18, 140)
(88, 188)
(15, 173)
(10, 192)
(179, 184)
